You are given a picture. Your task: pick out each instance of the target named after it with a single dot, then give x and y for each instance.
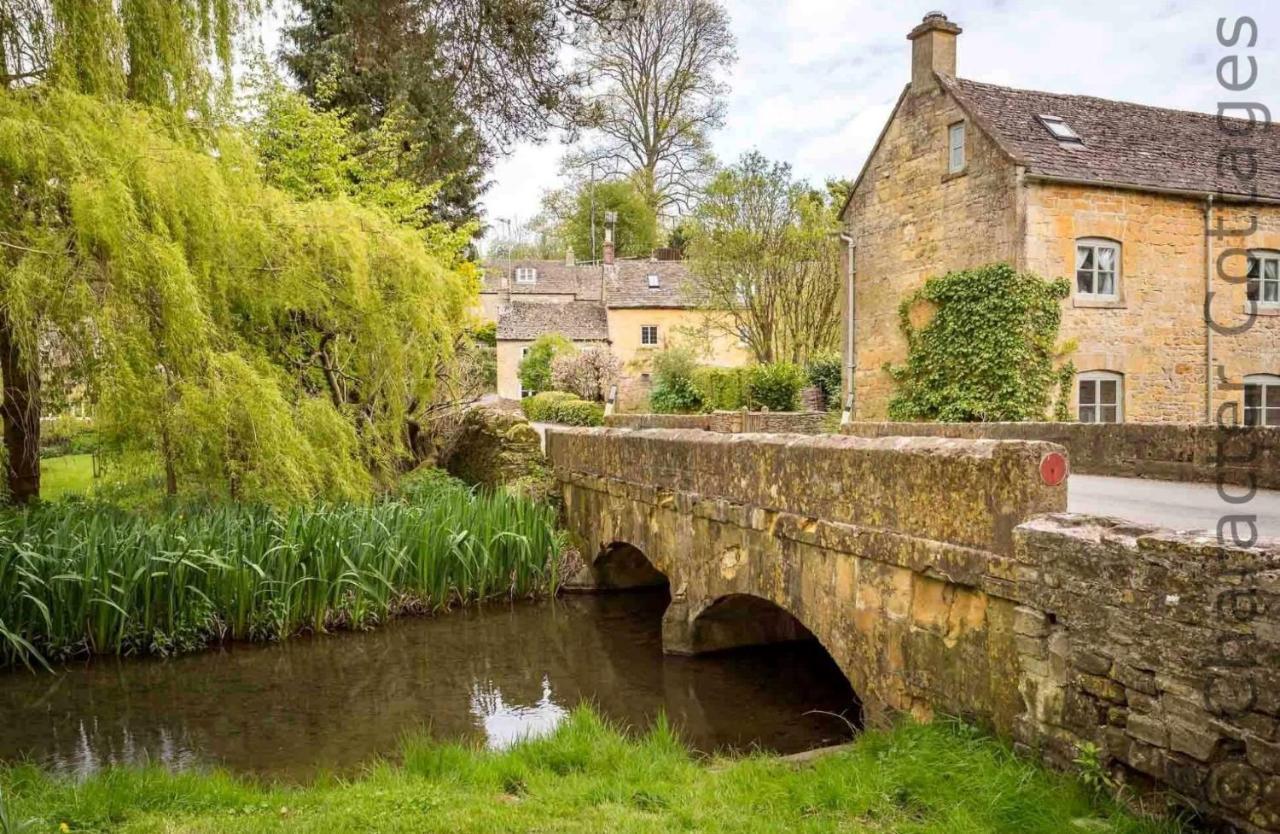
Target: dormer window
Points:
(1059, 129)
(653, 281)
(526, 275)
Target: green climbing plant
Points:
(982, 346)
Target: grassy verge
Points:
(66, 475)
(81, 578)
(589, 778)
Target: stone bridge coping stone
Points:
(961, 491)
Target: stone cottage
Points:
(635, 307)
(1153, 215)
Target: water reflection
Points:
(505, 724)
(491, 674)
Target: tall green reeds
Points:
(85, 578)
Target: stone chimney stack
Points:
(933, 49)
(610, 218)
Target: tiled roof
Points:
(1123, 144)
(554, 278)
(628, 285)
(580, 321)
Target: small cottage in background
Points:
(1147, 211)
(635, 307)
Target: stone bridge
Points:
(943, 578)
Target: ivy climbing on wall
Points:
(982, 346)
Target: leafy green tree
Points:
(155, 53)
(765, 252)
(658, 65)
(535, 367)
(635, 232)
(467, 77)
(982, 347)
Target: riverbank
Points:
(587, 777)
(81, 578)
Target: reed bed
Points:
(84, 578)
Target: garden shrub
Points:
(562, 407)
(67, 435)
(988, 351)
(535, 367)
(589, 373)
(673, 389)
(775, 386)
(721, 389)
(824, 374)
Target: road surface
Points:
(1174, 504)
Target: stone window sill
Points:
(955, 175)
(1099, 303)
(1252, 309)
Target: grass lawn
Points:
(65, 475)
(588, 778)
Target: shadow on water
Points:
(493, 673)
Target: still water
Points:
(493, 674)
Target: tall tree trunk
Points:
(20, 411)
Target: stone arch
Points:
(739, 620)
(621, 565)
(735, 620)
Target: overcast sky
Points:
(815, 79)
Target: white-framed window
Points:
(1264, 277)
(1100, 397)
(955, 148)
(653, 281)
(649, 335)
(1097, 268)
(1262, 400)
(526, 275)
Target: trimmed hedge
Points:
(562, 407)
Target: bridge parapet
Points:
(943, 578)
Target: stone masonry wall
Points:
(910, 219)
(1154, 333)
(1164, 650)
(943, 578)
(1168, 451)
(731, 422)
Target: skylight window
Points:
(1059, 129)
(653, 281)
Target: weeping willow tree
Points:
(240, 340)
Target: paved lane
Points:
(1180, 506)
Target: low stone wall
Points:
(1161, 648)
(1168, 451)
(944, 579)
(728, 422)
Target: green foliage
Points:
(158, 53)
(775, 386)
(535, 367)
(987, 353)
(81, 578)
(766, 254)
(465, 77)
(562, 407)
(824, 372)
(255, 346)
(67, 475)
(67, 434)
(721, 389)
(486, 333)
(1093, 769)
(635, 233)
(588, 776)
(674, 391)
